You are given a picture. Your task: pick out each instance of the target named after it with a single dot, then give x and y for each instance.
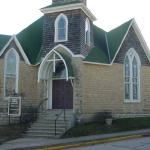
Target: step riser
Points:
(45, 125)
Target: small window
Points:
(11, 73)
(61, 28)
(132, 76)
(87, 32)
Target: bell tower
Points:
(72, 33)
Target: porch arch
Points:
(59, 53)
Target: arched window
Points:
(61, 28)
(87, 32)
(11, 73)
(132, 76)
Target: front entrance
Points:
(57, 73)
(62, 94)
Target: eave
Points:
(69, 7)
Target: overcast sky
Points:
(18, 14)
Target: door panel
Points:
(62, 96)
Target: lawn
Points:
(11, 132)
(117, 126)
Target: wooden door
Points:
(62, 95)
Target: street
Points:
(135, 144)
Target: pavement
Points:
(134, 144)
(40, 143)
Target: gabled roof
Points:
(107, 43)
(31, 40)
(99, 53)
(116, 36)
(3, 40)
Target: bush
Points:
(102, 116)
(29, 115)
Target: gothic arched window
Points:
(61, 28)
(132, 76)
(87, 32)
(11, 72)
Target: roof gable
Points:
(116, 36)
(31, 40)
(8, 45)
(3, 40)
(99, 53)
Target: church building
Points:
(68, 69)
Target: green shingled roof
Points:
(107, 43)
(116, 36)
(31, 40)
(3, 40)
(99, 53)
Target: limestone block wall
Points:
(28, 84)
(104, 91)
(77, 85)
(28, 87)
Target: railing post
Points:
(55, 127)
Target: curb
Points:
(94, 142)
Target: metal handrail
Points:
(63, 111)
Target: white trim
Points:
(140, 37)
(67, 76)
(57, 53)
(68, 50)
(95, 63)
(134, 55)
(87, 29)
(122, 42)
(108, 47)
(19, 47)
(17, 69)
(49, 92)
(22, 51)
(69, 7)
(56, 28)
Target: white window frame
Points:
(87, 29)
(131, 54)
(17, 69)
(56, 39)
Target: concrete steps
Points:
(45, 124)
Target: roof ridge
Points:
(121, 25)
(116, 36)
(30, 25)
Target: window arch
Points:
(87, 32)
(11, 72)
(132, 76)
(61, 28)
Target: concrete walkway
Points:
(28, 143)
(134, 144)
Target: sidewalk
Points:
(29, 143)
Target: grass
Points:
(118, 125)
(11, 132)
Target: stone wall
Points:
(104, 91)
(78, 85)
(29, 89)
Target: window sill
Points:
(131, 101)
(58, 41)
